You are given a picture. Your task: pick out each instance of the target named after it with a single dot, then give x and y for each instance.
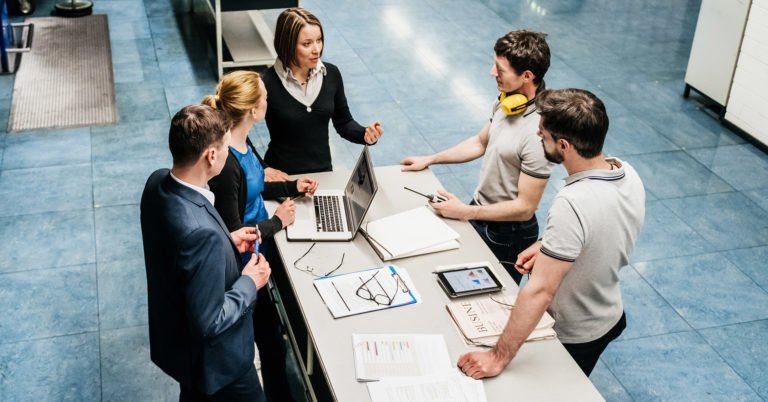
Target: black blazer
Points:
(200, 308)
(299, 141)
(231, 190)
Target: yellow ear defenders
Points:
(514, 103)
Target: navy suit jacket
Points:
(200, 308)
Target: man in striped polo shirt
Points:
(591, 230)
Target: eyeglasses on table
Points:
(311, 270)
(382, 297)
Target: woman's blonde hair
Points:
(237, 93)
(289, 24)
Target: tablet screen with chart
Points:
(469, 280)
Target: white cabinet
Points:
(747, 106)
(716, 47)
(729, 62)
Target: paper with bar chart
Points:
(399, 355)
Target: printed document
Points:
(369, 290)
(399, 355)
(438, 388)
(481, 321)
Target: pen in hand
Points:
(430, 197)
(518, 266)
(524, 269)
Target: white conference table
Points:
(541, 371)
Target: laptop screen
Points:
(360, 190)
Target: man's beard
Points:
(552, 157)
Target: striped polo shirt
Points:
(593, 223)
(513, 148)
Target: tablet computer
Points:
(470, 280)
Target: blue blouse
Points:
(255, 211)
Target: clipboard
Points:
(339, 292)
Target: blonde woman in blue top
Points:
(240, 190)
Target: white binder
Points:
(413, 232)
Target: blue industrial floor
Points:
(73, 313)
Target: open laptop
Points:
(336, 215)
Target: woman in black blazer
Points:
(305, 94)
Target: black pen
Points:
(430, 197)
(340, 296)
(518, 266)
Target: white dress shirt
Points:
(293, 86)
(206, 192)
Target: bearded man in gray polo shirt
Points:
(591, 230)
(514, 171)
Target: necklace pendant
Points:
(309, 109)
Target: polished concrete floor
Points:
(73, 321)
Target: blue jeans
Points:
(508, 239)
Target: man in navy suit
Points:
(201, 298)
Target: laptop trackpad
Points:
(305, 209)
(303, 227)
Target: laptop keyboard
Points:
(328, 213)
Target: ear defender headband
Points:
(515, 103)
(512, 104)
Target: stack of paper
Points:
(436, 388)
(413, 232)
(411, 367)
(369, 290)
(396, 355)
(482, 321)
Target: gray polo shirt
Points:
(513, 147)
(593, 222)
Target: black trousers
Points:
(244, 389)
(268, 334)
(586, 354)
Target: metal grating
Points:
(66, 79)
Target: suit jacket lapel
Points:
(198, 199)
(215, 214)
